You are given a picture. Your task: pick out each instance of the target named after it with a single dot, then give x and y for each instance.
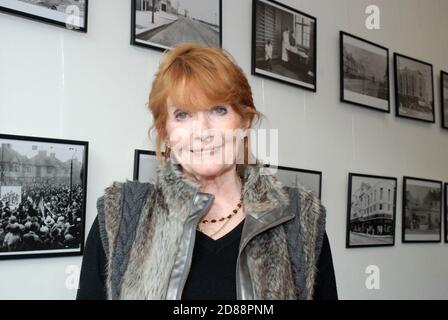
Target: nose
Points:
(202, 127)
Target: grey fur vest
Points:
(148, 232)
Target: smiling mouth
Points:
(205, 150)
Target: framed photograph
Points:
(422, 210)
(43, 184)
(284, 44)
(414, 89)
(145, 166)
(364, 73)
(446, 212)
(70, 14)
(291, 177)
(371, 211)
(161, 24)
(444, 100)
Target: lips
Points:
(205, 150)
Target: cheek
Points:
(178, 133)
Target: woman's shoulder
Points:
(118, 190)
(120, 195)
(308, 202)
(121, 203)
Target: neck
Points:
(227, 183)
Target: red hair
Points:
(190, 72)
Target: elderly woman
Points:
(212, 225)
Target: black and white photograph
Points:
(422, 210)
(70, 14)
(371, 211)
(414, 89)
(364, 73)
(444, 100)
(292, 177)
(284, 44)
(161, 24)
(43, 186)
(145, 166)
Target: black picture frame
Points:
(145, 165)
(417, 105)
(302, 176)
(446, 211)
(406, 221)
(213, 40)
(376, 226)
(42, 195)
(297, 67)
(359, 84)
(444, 98)
(50, 14)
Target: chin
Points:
(207, 169)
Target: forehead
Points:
(190, 97)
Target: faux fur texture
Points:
(160, 228)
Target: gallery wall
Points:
(63, 84)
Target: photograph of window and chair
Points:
(43, 186)
(283, 44)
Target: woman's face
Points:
(205, 143)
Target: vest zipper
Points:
(186, 271)
(238, 289)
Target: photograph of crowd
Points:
(42, 196)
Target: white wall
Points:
(94, 86)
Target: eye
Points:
(219, 110)
(181, 115)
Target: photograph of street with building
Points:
(284, 44)
(422, 210)
(161, 24)
(414, 89)
(71, 14)
(364, 73)
(42, 196)
(371, 210)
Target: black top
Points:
(92, 284)
(213, 267)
